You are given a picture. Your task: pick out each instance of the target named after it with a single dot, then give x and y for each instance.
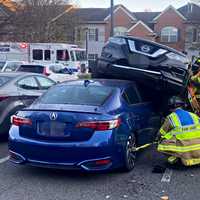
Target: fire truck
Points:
(69, 55)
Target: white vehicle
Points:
(56, 72)
(69, 55)
(60, 74)
(9, 66)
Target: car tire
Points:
(129, 154)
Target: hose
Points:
(144, 146)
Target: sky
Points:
(133, 5)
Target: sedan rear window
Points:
(77, 95)
(4, 80)
(31, 68)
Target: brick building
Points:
(177, 28)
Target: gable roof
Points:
(191, 11)
(143, 24)
(169, 8)
(147, 17)
(117, 7)
(92, 14)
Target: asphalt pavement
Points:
(30, 183)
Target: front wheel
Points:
(130, 154)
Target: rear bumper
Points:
(98, 153)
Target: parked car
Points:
(18, 90)
(34, 68)
(10, 66)
(60, 73)
(57, 72)
(86, 124)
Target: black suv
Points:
(147, 62)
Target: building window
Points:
(120, 31)
(192, 34)
(78, 34)
(93, 34)
(92, 57)
(169, 34)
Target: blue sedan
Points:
(92, 125)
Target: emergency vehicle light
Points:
(23, 45)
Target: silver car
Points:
(18, 90)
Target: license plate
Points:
(52, 129)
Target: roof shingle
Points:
(191, 12)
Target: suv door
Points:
(28, 89)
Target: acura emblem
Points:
(53, 116)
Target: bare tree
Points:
(42, 21)
(6, 13)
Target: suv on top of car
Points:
(152, 64)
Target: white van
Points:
(69, 55)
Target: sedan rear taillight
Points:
(19, 121)
(3, 98)
(100, 125)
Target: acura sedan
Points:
(92, 125)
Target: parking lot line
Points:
(166, 178)
(2, 160)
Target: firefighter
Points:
(194, 91)
(197, 62)
(180, 135)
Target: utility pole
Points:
(111, 18)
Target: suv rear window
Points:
(77, 95)
(31, 68)
(4, 80)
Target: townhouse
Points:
(177, 28)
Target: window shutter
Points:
(179, 35)
(97, 34)
(194, 35)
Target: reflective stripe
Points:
(178, 149)
(188, 135)
(172, 159)
(162, 131)
(170, 118)
(190, 162)
(175, 120)
(195, 118)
